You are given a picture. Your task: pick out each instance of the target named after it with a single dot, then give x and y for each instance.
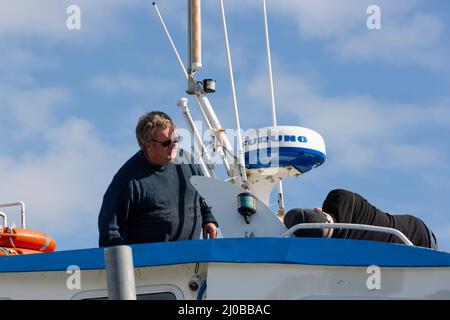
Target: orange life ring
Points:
(16, 238)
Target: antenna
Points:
(170, 40)
(194, 35)
(233, 93)
(223, 146)
(272, 97)
(269, 63)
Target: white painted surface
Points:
(52, 285)
(222, 197)
(282, 281)
(242, 281)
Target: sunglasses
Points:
(167, 143)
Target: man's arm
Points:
(113, 215)
(209, 223)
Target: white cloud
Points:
(17, 64)
(400, 43)
(360, 132)
(122, 82)
(47, 18)
(324, 19)
(16, 57)
(130, 83)
(407, 36)
(332, 19)
(58, 166)
(63, 187)
(27, 112)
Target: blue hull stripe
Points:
(310, 251)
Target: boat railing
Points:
(13, 204)
(5, 219)
(350, 226)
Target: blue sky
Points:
(70, 99)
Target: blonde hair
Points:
(148, 123)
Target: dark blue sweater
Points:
(151, 203)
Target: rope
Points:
(201, 291)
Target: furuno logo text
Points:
(279, 138)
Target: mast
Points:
(281, 208)
(200, 88)
(240, 147)
(194, 35)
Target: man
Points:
(151, 199)
(342, 206)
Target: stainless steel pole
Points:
(120, 273)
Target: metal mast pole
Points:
(272, 97)
(233, 93)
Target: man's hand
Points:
(209, 231)
(327, 233)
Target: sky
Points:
(70, 98)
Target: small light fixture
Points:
(209, 85)
(246, 205)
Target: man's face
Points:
(162, 149)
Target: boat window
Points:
(146, 296)
(152, 292)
